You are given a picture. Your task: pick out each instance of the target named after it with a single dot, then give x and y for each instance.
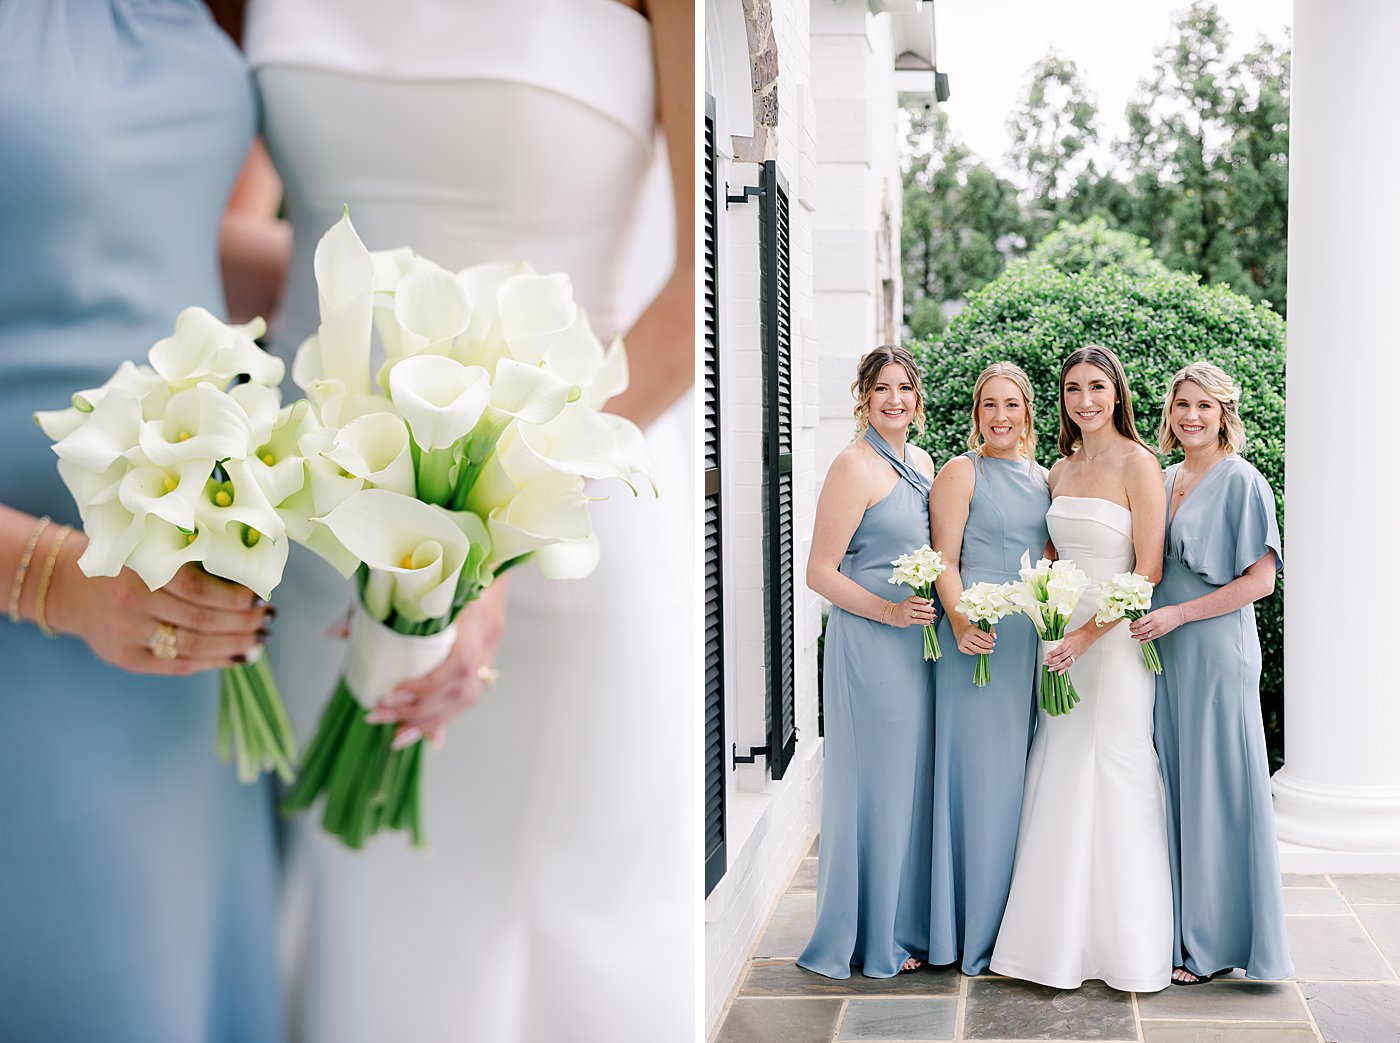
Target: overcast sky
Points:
(987, 46)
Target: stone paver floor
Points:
(1344, 931)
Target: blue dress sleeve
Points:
(1247, 528)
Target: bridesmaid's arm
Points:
(1147, 499)
(661, 344)
(1256, 583)
(845, 496)
(255, 248)
(949, 503)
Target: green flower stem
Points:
(1150, 657)
(435, 475)
(253, 728)
(982, 672)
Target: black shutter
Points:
(780, 601)
(715, 858)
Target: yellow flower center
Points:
(251, 537)
(189, 537)
(222, 498)
(170, 484)
(183, 436)
(407, 562)
(269, 459)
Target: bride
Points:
(556, 901)
(1090, 891)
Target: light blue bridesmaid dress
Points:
(1227, 891)
(871, 880)
(137, 877)
(982, 735)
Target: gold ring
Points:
(165, 641)
(487, 675)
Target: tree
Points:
(1206, 158)
(1054, 134)
(961, 221)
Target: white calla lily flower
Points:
(576, 355)
(113, 534)
(140, 381)
(345, 287)
(239, 501)
(439, 398)
(277, 463)
(549, 509)
(377, 449)
(112, 430)
(245, 555)
(420, 546)
(262, 406)
(432, 309)
(169, 493)
(200, 423)
(93, 487)
(530, 394)
(534, 312)
(161, 550)
(202, 348)
(569, 559)
(610, 380)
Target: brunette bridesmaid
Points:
(872, 876)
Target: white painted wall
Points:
(838, 151)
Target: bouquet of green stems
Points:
(918, 571)
(1128, 595)
(986, 604)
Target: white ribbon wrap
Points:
(1046, 647)
(381, 657)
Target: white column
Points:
(1338, 795)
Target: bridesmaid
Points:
(140, 878)
(1223, 551)
(879, 690)
(988, 508)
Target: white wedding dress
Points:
(557, 899)
(1090, 891)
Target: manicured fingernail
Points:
(240, 659)
(263, 634)
(407, 737)
(271, 612)
(381, 715)
(436, 738)
(254, 654)
(259, 602)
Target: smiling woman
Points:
(872, 884)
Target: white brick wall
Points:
(836, 150)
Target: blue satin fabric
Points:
(1227, 891)
(139, 878)
(982, 735)
(872, 889)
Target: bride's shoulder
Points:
(1138, 459)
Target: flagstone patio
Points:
(1345, 936)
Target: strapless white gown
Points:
(1090, 891)
(557, 900)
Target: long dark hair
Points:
(1103, 359)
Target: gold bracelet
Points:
(887, 616)
(45, 577)
(17, 587)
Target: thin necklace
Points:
(1183, 489)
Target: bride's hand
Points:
(913, 611)
(1157, 623)
(424, 706)
(974, 640)
(1074, 645)
(216, 623)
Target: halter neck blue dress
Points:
(872, 878)
(139, 877)
(982, 735)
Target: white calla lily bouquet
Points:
(986, 604)
(1048, 593)
(170, 465)
(465, 455)
(1128, 595)
(917, 571)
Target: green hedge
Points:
(1035, 315)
